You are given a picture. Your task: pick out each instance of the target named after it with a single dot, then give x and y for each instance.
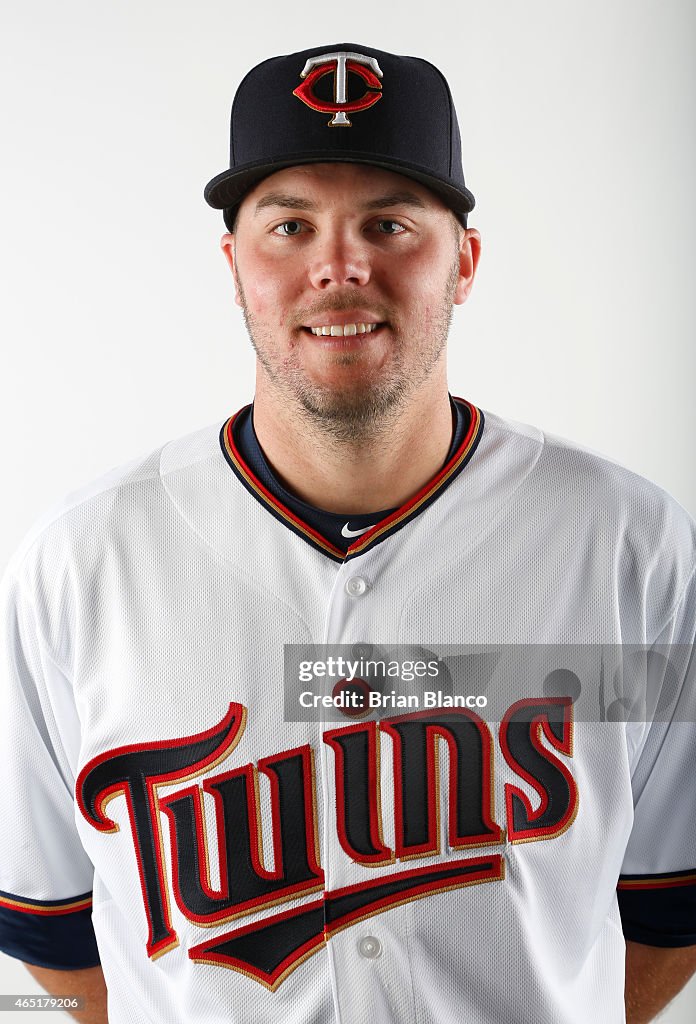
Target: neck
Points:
(381, 470)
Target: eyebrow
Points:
(290, 202)
(396, 199)
(280, 199)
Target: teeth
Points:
(343, 330)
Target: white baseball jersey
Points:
(423, 866)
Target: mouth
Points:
(350, 330)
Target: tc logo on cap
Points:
(340, 63)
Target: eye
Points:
(389, 227)
(288, 227)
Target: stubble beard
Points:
(372, 405)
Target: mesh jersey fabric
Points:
(149, 605)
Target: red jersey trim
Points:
(24, 905)
(430, 490)
(670, 880)
(381, 529)
(265, 496)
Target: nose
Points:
(339, 258)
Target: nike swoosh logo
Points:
(347, 532)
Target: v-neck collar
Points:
(382, 529)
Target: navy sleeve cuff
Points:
(659, 910)
(49, 933)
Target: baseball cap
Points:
(344, 103)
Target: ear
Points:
(469, 252)
(227, 246)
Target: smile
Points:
(343, 330)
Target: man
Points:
(245, 861)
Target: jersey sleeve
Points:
(45, 874)
(657, 886)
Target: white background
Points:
(117, 322)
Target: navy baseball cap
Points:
(344, 103)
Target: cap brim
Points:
(226, 190)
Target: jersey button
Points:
(356, 586)
(370, 947)
(361, 651)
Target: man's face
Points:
(347, 275)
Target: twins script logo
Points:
(340, 64)
(531, 734)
